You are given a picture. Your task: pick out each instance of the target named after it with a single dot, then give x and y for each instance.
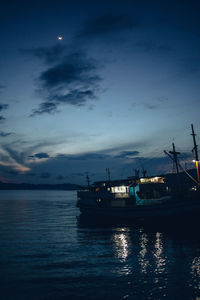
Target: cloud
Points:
(107, 24)
(49, 55)
(4, 134)
(74, 97)
(2, 118)
(14, 165)
(86, 156)
(14, 154)
(75, 69)
(127, 154)
(60, 177)
(151, 106)
(12, 159)
(73, 80)
(3, 107)
(45, 107)
(40, 155)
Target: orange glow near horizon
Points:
(16, 166)
(197, 166)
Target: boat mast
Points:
(108, 173)
(175, 157)
(195, 150)
(88, 179)
(137, 173)
(144, 172)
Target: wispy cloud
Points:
(3, 107)
(5, 134)
(72, 79)
(127, 154)
(2, 118)
(15, 165)
(157, 103)
(49, 55)
(40, 155)
(12, 159)
(85, 156)
(61, 177)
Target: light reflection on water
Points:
(47, 253)
(121, 241)
(158, 253)
(143, 258)
(196, 266)
(195, 271)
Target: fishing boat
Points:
(146, 197)
(141, 197)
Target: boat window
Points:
(119, 189)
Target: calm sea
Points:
(48, 252)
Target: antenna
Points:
(144, 172)
(175, 157)
(88, 179)
(108, 173)
(137, 173)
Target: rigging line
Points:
(188, 174)
(183, 169)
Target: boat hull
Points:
(176, 208)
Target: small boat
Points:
(140, 198)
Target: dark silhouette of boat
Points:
(146, 197)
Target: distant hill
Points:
(171, 179)
(27, 186)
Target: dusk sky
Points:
(119, 86)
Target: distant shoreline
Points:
(26, 186)
(171, 180)
(21, 189)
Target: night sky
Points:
(116, 89)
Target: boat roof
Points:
(129, 181)
(118, 182)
